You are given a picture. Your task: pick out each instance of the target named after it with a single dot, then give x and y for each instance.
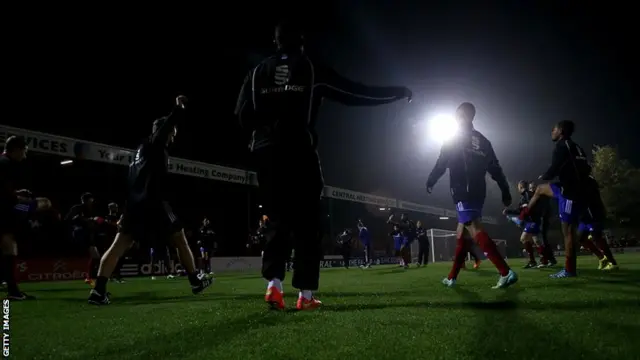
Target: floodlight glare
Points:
(442, 128)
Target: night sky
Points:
(103, 74)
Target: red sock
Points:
(591, 246)
(489, 247)
(458, 259)
(541, 253)
(529, 247)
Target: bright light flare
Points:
(442, 128)
(66, 162)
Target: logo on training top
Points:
(475, 146)
(281, 80)
(475, 143)
(282, 75)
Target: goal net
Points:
(443, 246)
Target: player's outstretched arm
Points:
(333, 86)
(439, 169)
(168, 123)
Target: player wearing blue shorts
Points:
(406, 231)
(570, 167)
(469, 156)
(365, 239)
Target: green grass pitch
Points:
(374, 314)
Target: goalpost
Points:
(443, 246)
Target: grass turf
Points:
(375, 314)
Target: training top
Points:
(148, 171)
(280, 98)
(421, 235)
(569, 165)
(469, 156)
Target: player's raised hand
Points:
(181, 101)
(429, 190)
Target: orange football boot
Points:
(274, 298)
(476, 265)
(308, 304)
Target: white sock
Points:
(275, 282)
(306, 294)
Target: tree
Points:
(619, 184)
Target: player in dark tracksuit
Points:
(345, 241)
(279, 103)
(206, 240)
(469, 156)
(85, 226)
(423, 244)
(148, 216)
(569, 165)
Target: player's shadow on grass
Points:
(504, 302)
(240, 277)
(480, 272)
(149, 297)
(621, 276)
(556, 284)
(397, 270)
(503, 330)
(59, 290)
(220, 332)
